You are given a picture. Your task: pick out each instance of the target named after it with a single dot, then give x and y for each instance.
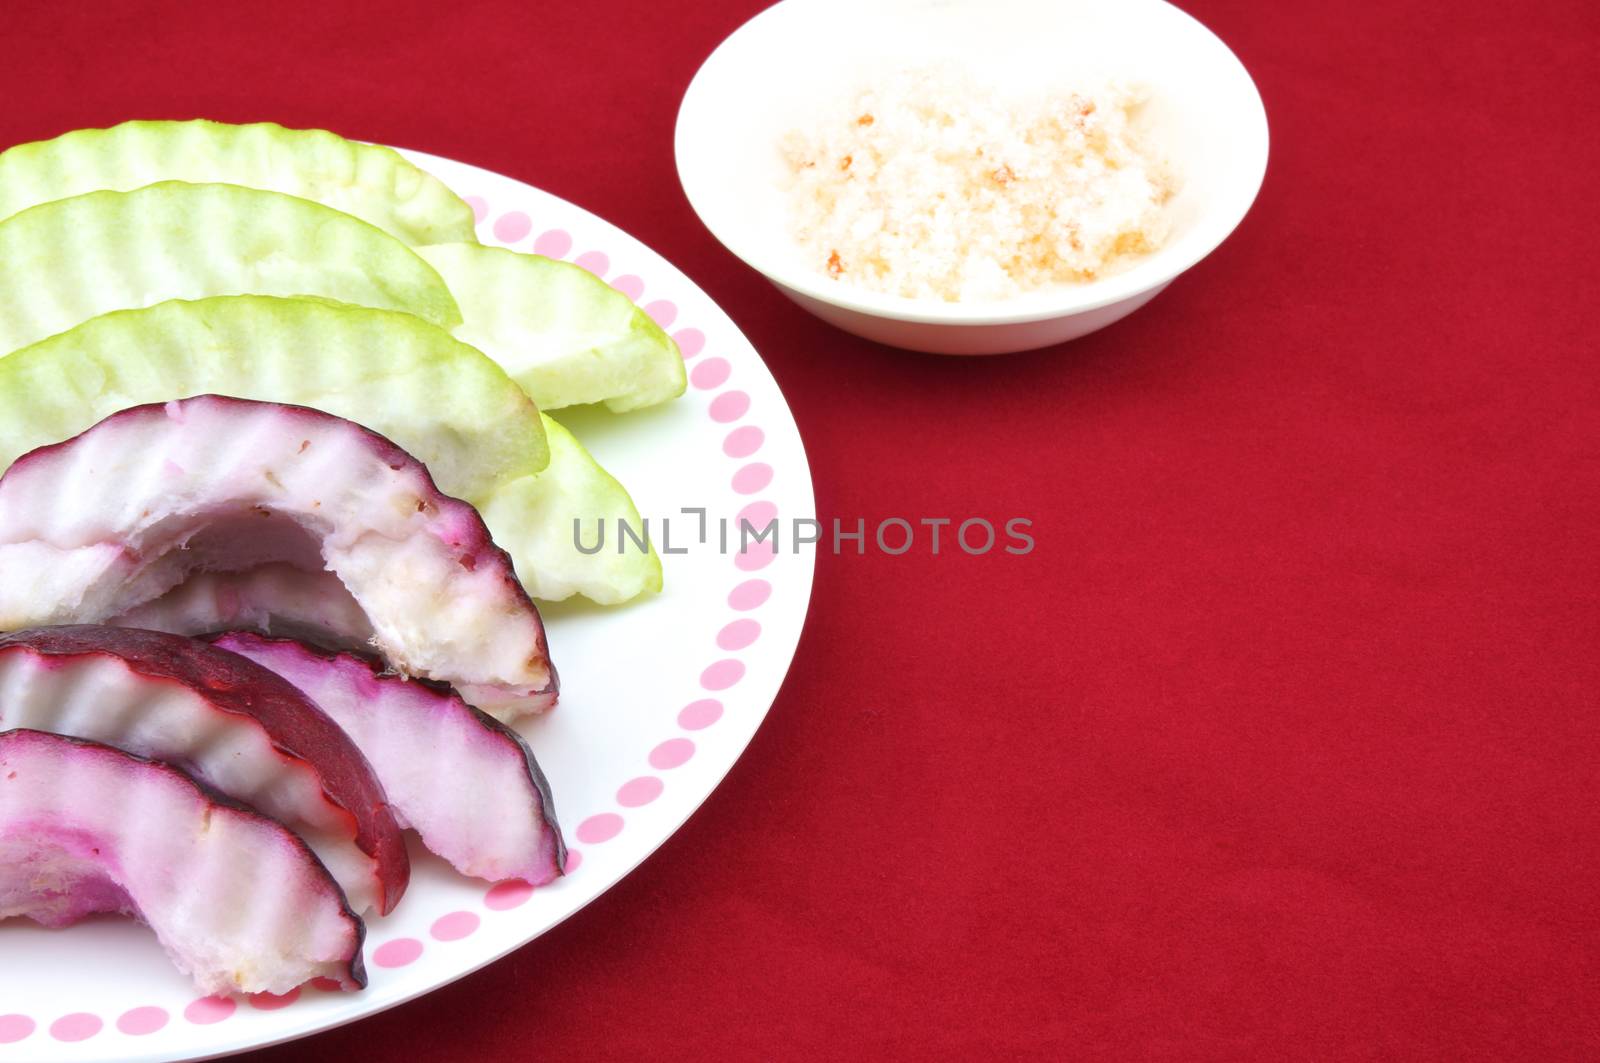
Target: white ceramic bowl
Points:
(776, 70)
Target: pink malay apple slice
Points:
(116, 517)
(467, 783)
(229, 722)
(238, 902)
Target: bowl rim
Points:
(1215, 226)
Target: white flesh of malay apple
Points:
(279, 600)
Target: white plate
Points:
(658, 699)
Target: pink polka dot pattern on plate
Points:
(698, 715)
(397, 953)
(79, 1026)
(629, 285)
(729, 406)
(207, 1010)
(663, 312)
(743, 442)
(636, 793)
(555, 243)
(574, 861)
(601, 828)
(273, 1001)
(140, 1021)
(504, 896)
(759, 514)
(673, 753)
(595, 262)
(512, 227)
(751, 594)
(738, 635)
(711, 373)
(480, 207)
(752, 478)
(14, 1028)
(455, 926)
(691, 341)
(722, 675)
(755, 557)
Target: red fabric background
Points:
(1283, 742)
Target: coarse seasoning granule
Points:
(930, 186)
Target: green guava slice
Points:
(65, 262)
(564, 334)
(533, 520)
(376, 184)
(439, 399)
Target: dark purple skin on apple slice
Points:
(173, 494)
(489, 782)
(233, 685)
(79, 839)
